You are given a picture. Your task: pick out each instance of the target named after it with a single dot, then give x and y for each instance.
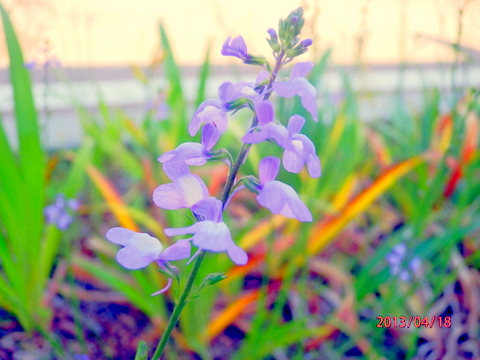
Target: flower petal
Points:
(133, 261)
(210, 111)
(280, 198)
(262, 76)
(178, 251)
(292, 161)
(268, 169)
(272, 130)
(236, 48)
(169, 284)
(140, 251)
(295, 124)
(184, 192)
(301, 69)
(313, 166)
(190, 153)
(119, 235)
(210, 135)
(181, 231)
(209, 208)
(212, 236)
(301, 87)
(264, 111)
(175, 169)
(237, 254)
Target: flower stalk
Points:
(187, 190)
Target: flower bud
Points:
(214, 278)
(272, 33)
(252, 184)
(306, 42)
(290, 28)
(254, 60)
(236, 104)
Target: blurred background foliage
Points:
(395, 230)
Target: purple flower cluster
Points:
(396, 261)
(61, 212)
(186, 190)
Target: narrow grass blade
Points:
(326, 230)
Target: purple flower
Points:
(236, 48)
(185, 191)
(299, 86)
(299, 149)
(215, 111)
(209, 112)
(141, 249)
(229, 92)
(159, 107)
(60, 213)
(192, 153)
(278, 197)
(211, 234)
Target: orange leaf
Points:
(471, 137)
(443, 131)
(379, 149)
(344, 193)
(326, 230)
(227, 316)
(112, 197)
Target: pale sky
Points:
(124, 32)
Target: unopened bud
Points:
(252, 184)
(255, 60)
(236, 104)
(272, 33)
(214, 278)
(306, 42)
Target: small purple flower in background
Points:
(141, 249)
(61, 212)
(278, 197)
(299, 149)
(159, 107)
(235, 47)
(299, 86)
(211, 234)
(396, 259)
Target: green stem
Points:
(179, 307)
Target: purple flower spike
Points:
(299, 86)
(236, 48)
(185, 191)
(278, 197)
(141, 249)
(211, 234)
